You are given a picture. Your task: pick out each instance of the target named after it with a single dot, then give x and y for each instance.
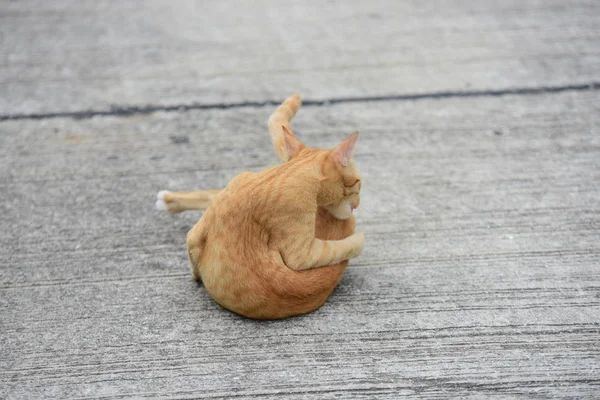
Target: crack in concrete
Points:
(149, 109)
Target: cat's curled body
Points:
(275, 243)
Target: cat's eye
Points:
(354, 182)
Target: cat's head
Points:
(340, 180)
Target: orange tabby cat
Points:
(274, 244)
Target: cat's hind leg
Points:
(176, 202)
(196, 239)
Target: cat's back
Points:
(236, 196)
(235, 247)
(239, 217)
(262, 192)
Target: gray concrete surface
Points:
(64, 56)
(481, 200)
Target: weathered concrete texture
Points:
(59, 56)
(480, 277)
(481, 274)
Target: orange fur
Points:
(279, 122)
(275, 244)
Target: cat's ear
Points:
(343, 153)
(292, 145)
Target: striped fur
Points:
(274, 244)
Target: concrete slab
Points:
(480, 276)
(69, 56)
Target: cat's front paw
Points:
(358, 244)
(161, 204)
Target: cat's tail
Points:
(282, 117)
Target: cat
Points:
(274, 244)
